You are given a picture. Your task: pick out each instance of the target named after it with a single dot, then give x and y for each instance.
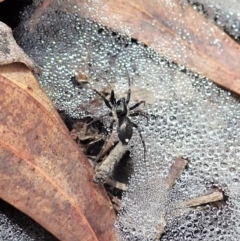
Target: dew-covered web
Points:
(16, 226)
(10, 231)
(225, 13)
(189, 116)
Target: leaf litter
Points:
(179, 124)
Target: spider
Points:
(120, 111)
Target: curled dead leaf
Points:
(10, 52)
(161, 25)
(42, 171)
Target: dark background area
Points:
(10, 11)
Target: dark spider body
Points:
(124, 129)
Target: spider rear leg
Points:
(98, 118)
(143, 142)
(139, 112)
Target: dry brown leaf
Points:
(42, 171)
(10, 52)
(153, 22)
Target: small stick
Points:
(110, 143)
(113, 183)
(208, 198)
(175, 171)
(107, 167)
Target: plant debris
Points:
(10, 52)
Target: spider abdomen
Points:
(125, 129)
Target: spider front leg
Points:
(137, 104)
(129, 90)
(107, 103)
(138, 112)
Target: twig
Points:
(116, 184)
(110, 143)
(208, 198)
(107, 167)
(175, 171)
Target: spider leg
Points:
(112, 98)
(129, 90)
(98, 118)
(105, 143)
(143, 142)
(139, 112)
(107, 103)
(136, 105)
(112, 95)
